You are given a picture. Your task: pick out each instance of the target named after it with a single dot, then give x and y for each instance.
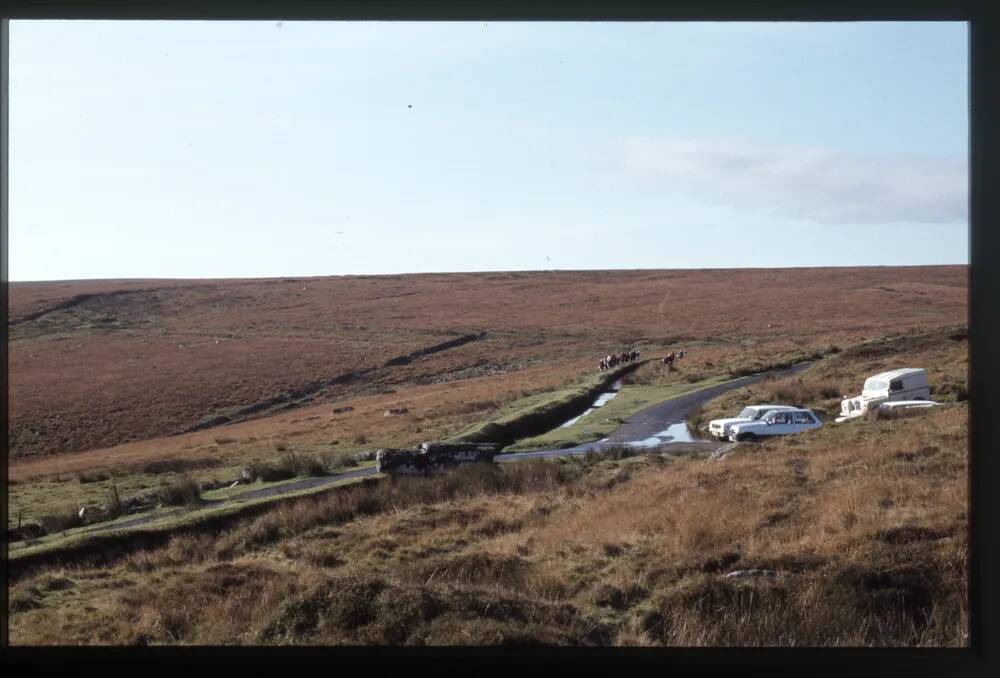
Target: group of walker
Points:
(671, 357)
(621, 358)
(615, 359)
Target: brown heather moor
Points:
(863, 526)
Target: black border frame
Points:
(984, 242)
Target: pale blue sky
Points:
(245, 149)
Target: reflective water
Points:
(600, 401)
(675, 433)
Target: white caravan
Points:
(907, 384)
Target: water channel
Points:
(601, 400)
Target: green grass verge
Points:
(62, 493)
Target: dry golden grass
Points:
(864, 525)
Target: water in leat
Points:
(601, 400)
(675, 433)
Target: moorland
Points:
(851, 534)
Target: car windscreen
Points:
(749, 413)
(874, 385)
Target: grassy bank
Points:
(538, 414)
(81, 543)
(64, 494)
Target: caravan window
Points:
(896, 385)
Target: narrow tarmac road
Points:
(653, 426)
(657, 425)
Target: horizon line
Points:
(420, 273)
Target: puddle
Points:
(675, 433)
(601, 400)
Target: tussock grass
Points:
(62, 520)
(303, 465)
(93, 477)
(866, 551)
(612, 452)
(113, 506)
(181, 491)
(306, 465)
(799, 391)
(695, 417)
(395, 493)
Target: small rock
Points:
(87, 512)
(722, 452)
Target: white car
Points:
(775, 423)
(719, 428)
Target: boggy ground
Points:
(853, 534)
(95, 364)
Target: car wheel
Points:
(746, 438)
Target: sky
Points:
(172, 149)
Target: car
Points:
(775, 423)
(719, 428)
(907, 384)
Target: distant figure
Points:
(680, 354)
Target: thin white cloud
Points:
(814, 184)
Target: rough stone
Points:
(433, 457)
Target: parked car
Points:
(775, 423)
(905, 384)
(719, 428)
